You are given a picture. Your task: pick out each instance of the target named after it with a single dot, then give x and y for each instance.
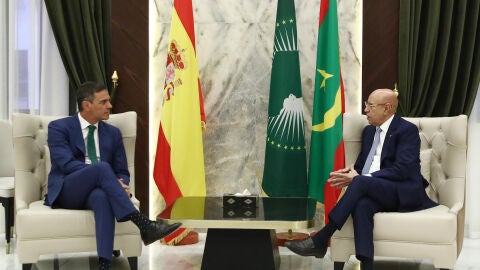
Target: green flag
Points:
(326, 150)
(285, 171)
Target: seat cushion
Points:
(40, 221)
(434, 225)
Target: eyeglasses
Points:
(371, 105)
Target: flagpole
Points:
(290, 235)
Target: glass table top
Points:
(269, 213)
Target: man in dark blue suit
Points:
(95, 177)
(389, 180)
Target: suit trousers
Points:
(96, 187)
(364, 197)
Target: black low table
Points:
(241, 237)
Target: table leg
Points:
(241, 249)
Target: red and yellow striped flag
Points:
(179, 168)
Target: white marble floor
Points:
(157, 256)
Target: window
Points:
(32, 77)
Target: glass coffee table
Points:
(241, 237)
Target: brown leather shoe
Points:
(306, 248)
(156, 231)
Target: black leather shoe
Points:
(306, 248)
(155, 231)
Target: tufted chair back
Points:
(446, 137)
(30, 139)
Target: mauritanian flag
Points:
(326, 149)
(285, 171)
(179, 168)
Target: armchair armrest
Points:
(20, 205)
(456, 208)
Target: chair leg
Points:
(338, 265)
(133, 261)
(27, 266)
(8, 205)
(12, 218)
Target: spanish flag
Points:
(179, 168)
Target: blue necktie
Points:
(91, 149)
(371, 154)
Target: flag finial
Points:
(395, 90)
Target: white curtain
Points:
(32, 76)
(472, 209)
(3, 60)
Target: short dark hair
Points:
(86, 92)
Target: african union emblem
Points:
(285, 130)
(285, 168)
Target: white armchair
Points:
(43, 230)
(6, 178)
(435, 233)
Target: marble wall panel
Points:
(234, 42)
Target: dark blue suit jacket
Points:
(399, 163)
(67, 152)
